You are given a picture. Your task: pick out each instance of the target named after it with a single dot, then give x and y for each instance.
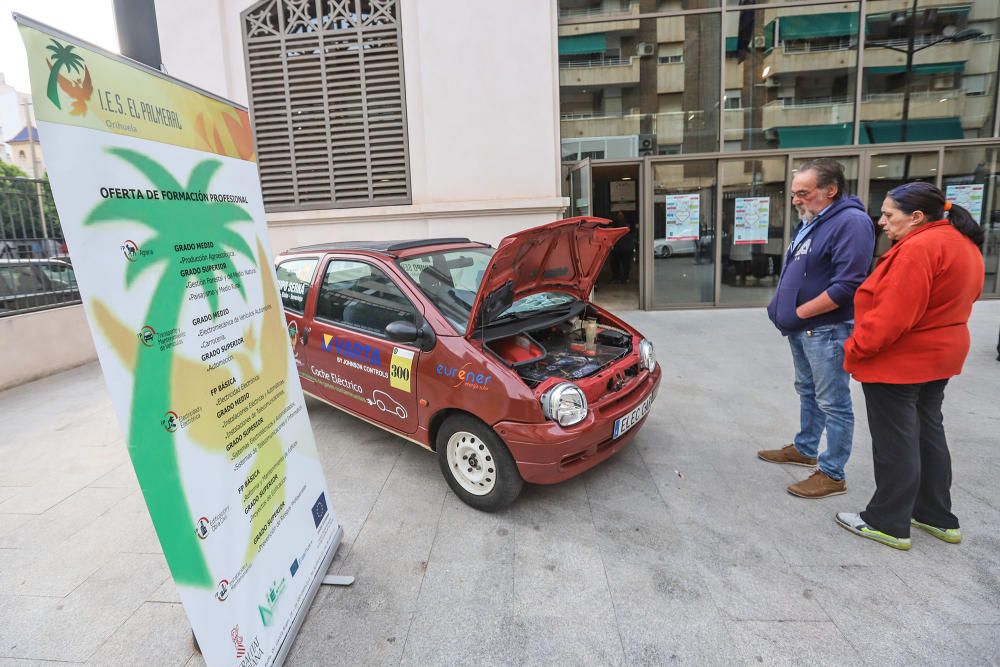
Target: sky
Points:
(90, 20)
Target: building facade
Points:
(706, 106)
(382, 119)
(12, 117)
(373, 117)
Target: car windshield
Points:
(450, 280)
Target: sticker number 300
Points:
(399, 369)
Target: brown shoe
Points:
(787, 454)
(818, 485)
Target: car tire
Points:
(491, 481)
(666, 252)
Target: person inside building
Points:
(911, 335)
(813, 306)
(621, 254)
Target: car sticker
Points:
(387, 403)
(399, 369)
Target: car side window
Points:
(25, 279)
(61, 276)
(294, 278)
(361, 296)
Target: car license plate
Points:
(625, 422)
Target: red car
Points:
(494, 359)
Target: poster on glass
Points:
(752, 219)
(683, 217)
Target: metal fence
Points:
(36, 272)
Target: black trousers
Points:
(912, 462)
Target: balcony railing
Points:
(588, 116)
(809, 47)
(596, 62)
(622, 8)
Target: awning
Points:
(809, 136)
(917, 129)
(577, 44)
(927, 68)
(813, 26)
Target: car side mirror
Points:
(402, 331)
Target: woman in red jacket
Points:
(910, 337)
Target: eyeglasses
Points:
(802, 194)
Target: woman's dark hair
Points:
(919, 196)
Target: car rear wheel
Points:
(477, 464)
(666, 251)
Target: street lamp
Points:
(911, 49)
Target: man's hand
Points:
(821, 304)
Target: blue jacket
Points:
(834, 257)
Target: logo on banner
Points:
(170, 421)
(222, 590)
(131, 250)
(319, 509)
(273, 595)
(238, 642)
(146, 336)
(78, 88)
(201, 528)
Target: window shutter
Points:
(326, 92)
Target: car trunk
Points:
(560, 351)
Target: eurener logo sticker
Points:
(79, 90)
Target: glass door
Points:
(579, 188)
(970, 177)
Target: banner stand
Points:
(158, 193)
(300, 617)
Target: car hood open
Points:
(562, 256)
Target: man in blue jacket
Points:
(813, 307)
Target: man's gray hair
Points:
(828, 172)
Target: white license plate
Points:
(625, 422)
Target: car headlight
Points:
(647, 355)
(565, 404)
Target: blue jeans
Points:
(824, 389)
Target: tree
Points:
(151, 446)
(62, 58)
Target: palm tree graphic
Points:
(62, 58)
(152, 449)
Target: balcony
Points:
(929, 104)
(615, 25)
(598, 125)
(600, 72)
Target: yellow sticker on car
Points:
(400, 368)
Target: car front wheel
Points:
(477, 464)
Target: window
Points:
(450, 280)
(326, 90)
(362, 297)
(734, 98)
(976, 84)
(294, 278)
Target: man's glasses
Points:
(802, 194)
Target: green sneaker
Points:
(855, 524)
(949, 535)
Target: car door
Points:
(295, 279)
(350, 355)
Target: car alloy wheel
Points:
(471, 463)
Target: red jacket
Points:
(911, 313)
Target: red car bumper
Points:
(547, 453)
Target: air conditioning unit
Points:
(758, 42)
(647, 144)
(644, 49)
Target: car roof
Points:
(391, 248)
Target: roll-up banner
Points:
(159, 199)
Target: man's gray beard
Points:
(806, 216)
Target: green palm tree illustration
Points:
(151, 447)
(62, 58)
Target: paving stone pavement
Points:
(683, 548)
